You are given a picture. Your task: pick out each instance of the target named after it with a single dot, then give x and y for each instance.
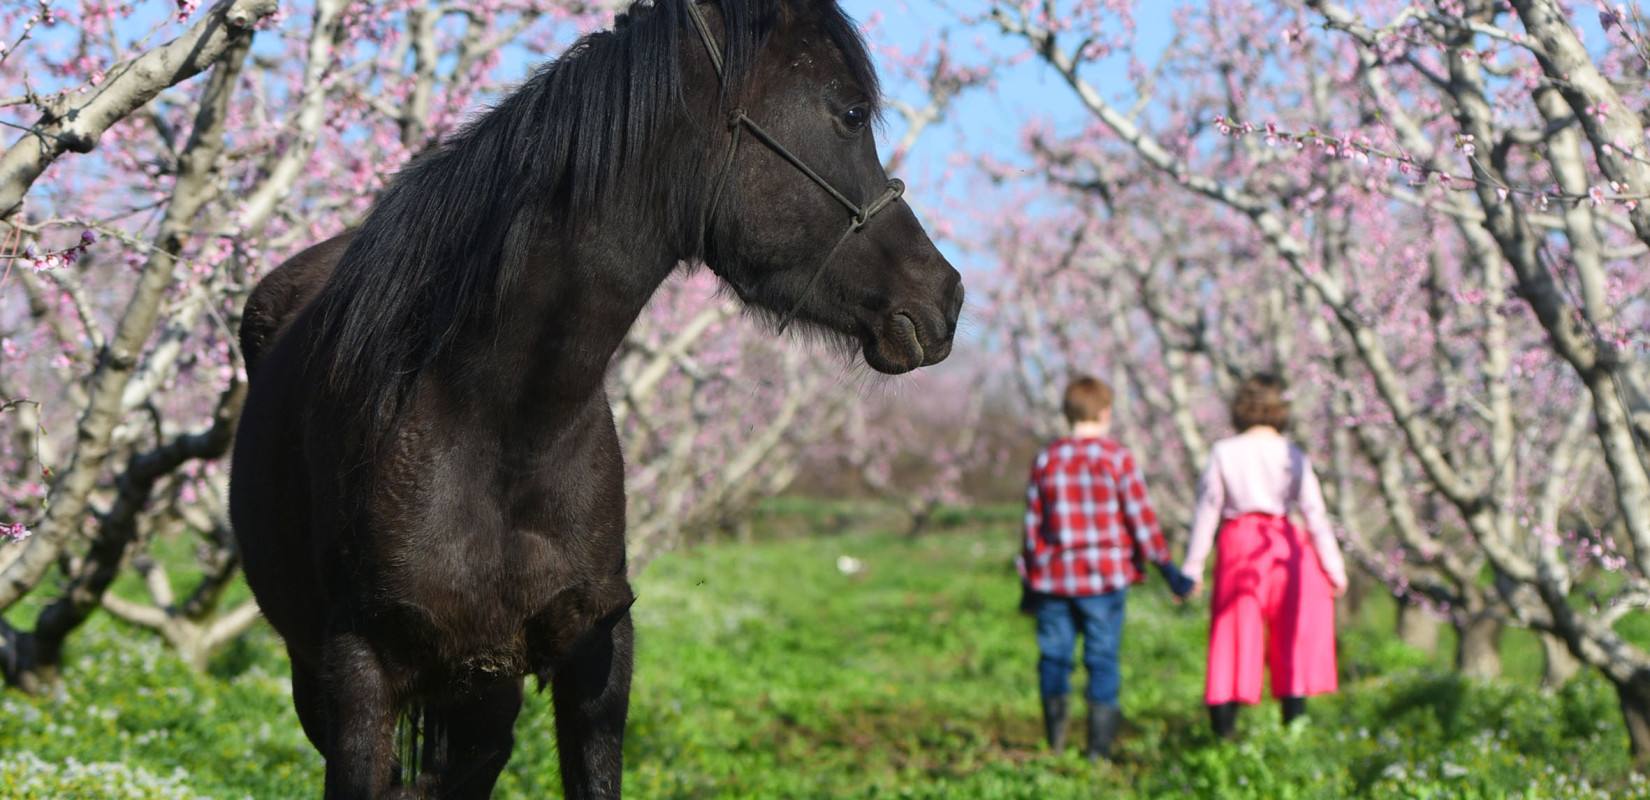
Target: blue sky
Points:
(988, 121)
(1024, 90)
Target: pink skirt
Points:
(1272, 604)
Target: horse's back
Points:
(286, 290)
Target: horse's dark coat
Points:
(428, 487)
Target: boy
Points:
(1087, 526)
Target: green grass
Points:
(764, 672)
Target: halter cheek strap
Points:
(738, 122)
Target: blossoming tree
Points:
(1443, 204)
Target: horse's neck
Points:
(546, 355)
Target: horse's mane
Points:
(445, 240)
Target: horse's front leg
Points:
(361, 717)
(591, 691)
(480, 733)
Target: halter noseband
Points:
(859, 216)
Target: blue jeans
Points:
(1100, 618)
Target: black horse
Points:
(428, 486)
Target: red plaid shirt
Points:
(1086, 512)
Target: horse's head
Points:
(838, 249)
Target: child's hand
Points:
(1027, 609)
(1179, 582)
(1191, 594)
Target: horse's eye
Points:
(856, 117)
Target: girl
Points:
(1274, 585)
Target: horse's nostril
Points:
(907, 328)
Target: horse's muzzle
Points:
(917, 335)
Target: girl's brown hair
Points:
(1262, 399)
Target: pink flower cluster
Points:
(39, 262)
(1618, 19)
(15, 531)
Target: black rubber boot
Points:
(1293, 708)
(1056, 709)
(1104, 722)
(1224, 719)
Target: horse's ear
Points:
(637, 10)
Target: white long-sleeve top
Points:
(1260, 472)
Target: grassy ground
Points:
(765, 672)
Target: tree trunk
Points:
(1358, 589)
(1418, 628)
(1559, 665)
(1635, 711)
(1478, 647)
(17, 659)
(921, 514)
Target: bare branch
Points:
(70, 497)
(76, 122)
